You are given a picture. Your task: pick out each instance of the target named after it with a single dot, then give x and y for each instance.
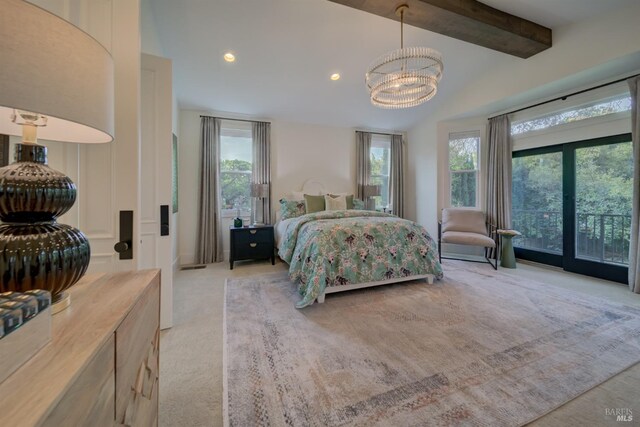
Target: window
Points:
(380, 155)
(464, 153)
(602, 107)
(236, 156)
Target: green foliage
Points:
(463, 154)
(235, 181)
(603, 187)
(379, 158)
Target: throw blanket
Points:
(336, 248)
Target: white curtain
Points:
(396, 181)
(261, 174)
(634, 250)
(499, 172)
(209, 243)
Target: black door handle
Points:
(125, 246)
(121, 247)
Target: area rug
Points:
(478, 348)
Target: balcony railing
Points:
(599, 237)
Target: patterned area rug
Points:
(479, 348)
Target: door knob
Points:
(121, 247)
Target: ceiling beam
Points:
(467, 20)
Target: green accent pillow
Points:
(314, 203)
(349, 199)
(358, 204)
(291, 208)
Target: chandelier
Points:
(405, 77)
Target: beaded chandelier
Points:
(405, 77)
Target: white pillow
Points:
(294, 195)
(338, 203)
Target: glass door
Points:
(537, 209)
(572, 204)
(599, 182)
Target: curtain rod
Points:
(564, 97)
(378, 133)
(236, 120)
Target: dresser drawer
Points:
(253, 235)
(253, 250)
(137, 349)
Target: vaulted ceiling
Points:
(287, 49)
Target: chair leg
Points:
(440, 242)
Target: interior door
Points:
(155, 172)
(106, 175)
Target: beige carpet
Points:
(470, 349)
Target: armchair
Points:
(468, 227)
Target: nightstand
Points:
(253, 242)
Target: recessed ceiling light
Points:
(335, 76)
(229, 57)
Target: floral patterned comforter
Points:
(335, 248)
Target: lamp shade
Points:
(53, 68)
(260, 191)
(371, 190)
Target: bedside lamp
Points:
(258, 191)
(56, 83)
(369, 191)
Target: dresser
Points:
(253, 242)
(101, 367)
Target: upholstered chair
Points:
(462, 226)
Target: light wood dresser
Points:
(101, 366)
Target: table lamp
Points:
(258, 191)
(56, 83)
(369, 191)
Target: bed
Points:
(333, 251)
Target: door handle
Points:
(164, 220)
(121, 247)
(125, 246)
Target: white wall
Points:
(150, 41)
(583, 55)
(298, 152)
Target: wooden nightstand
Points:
(253, 242)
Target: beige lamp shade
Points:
(371, 190)
(53, 68)
(260, 191)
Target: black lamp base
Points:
(35, 251)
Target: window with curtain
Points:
(464, 156)
(380, 155)
(236, 157)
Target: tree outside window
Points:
(463, 168)
(236, 158)
(380, 154)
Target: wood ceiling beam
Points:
(467, 20)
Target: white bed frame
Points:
(332, 289)
(313, 186)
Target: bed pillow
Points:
(358, 204)
(313, 203)
(348, 197)
(291, 208)
(335, 203)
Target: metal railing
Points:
(599, 237)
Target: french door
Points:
(572, 204)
